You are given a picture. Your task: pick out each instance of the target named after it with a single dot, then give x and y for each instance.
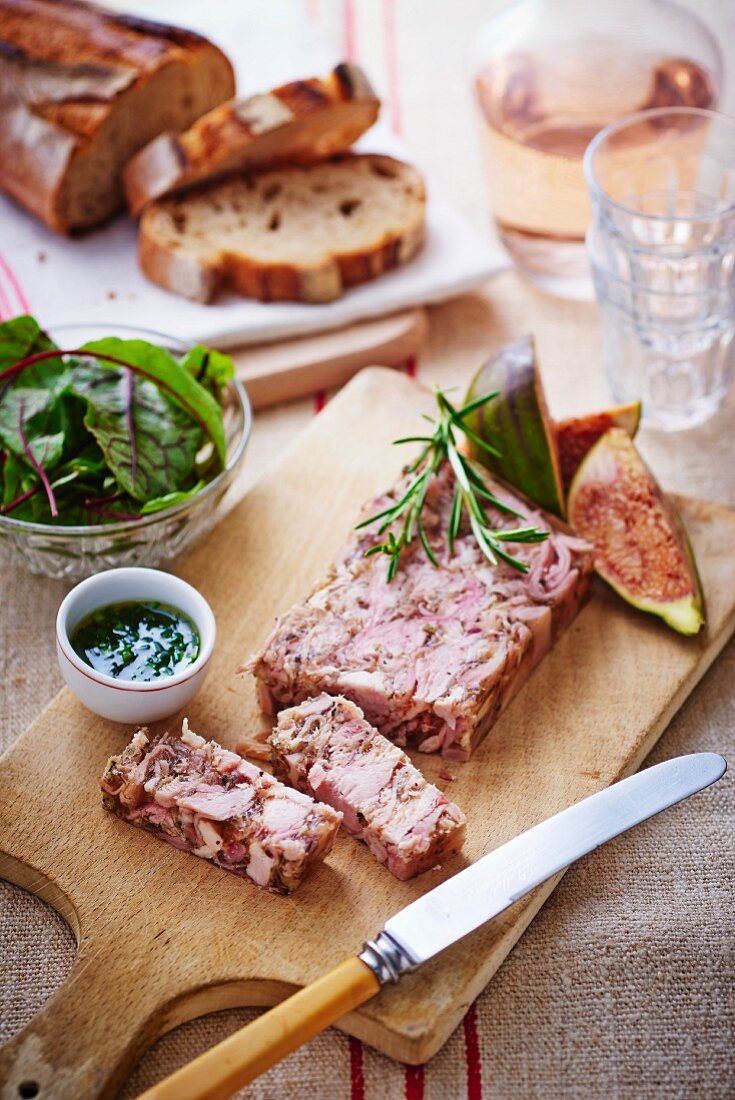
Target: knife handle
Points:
(226, 1067)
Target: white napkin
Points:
(96, 278)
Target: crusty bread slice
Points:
(81, 90)
(293, 234)
(299, 123)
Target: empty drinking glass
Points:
(662, 248)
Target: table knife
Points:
(437, 920)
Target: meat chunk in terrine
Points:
(326, 748)
(434, 656)
(203, 799)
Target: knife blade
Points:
(482, 891)
(437, 920)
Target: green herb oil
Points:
(137, 640)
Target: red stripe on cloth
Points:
(349, 40)
(357, 1075)
(391, 61)
(10, 275)
(320, 400)
(6, 310)
(414, 1089)
(472, 1056)
(411, 366)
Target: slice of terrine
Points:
(326, 748)
(203, 799)
(434, 656)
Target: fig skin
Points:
(576, 435)
(641, 546)
(518, 424)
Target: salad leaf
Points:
(114, 430)
(149, 442)
(36, 405)
(159, 365)
(22, 337)
(18, 480)
(30, 421)
(50, 421)
(171, 498)
(212, 369)
(85, 476)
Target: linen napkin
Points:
(96, 279)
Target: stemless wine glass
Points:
(662, 247)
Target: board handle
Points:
(226, 1067)
(84, 1039)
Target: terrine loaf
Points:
(326, 748)
(300, 233)
(298, 123)
(81, 90)
(203, 799)
(434, 656)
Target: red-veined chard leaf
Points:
(142, 436)
(149, 442)
(22, 337)
(159, 365)
(51, 418)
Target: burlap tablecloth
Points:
(623, 985)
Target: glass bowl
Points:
(72, 553)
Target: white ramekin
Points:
(127, 700)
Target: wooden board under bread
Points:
(302, 366)
(164, 936)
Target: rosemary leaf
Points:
(425, 543)
(470, 492)
(459, 471)
(414, 439)
(455, 521)
(482, 540)
(522, 534)
(476, 439)
(476, 404)
(379, 515)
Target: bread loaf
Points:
(295, 233)
(81, 90)
(298, 123)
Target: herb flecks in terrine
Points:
(204, 799)
(403, 520)
(326, 748)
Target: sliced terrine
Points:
(434, 656)
(204, 799)
(326, 748)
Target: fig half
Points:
(641, 545)
(575, 436)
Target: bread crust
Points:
(299, 123)
(202, 278)
(67, 70)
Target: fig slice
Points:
(641, 545)
(517, 423)
(575, 436)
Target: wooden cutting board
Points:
(296, 368)
(164, 937)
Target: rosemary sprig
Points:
(471, 493)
